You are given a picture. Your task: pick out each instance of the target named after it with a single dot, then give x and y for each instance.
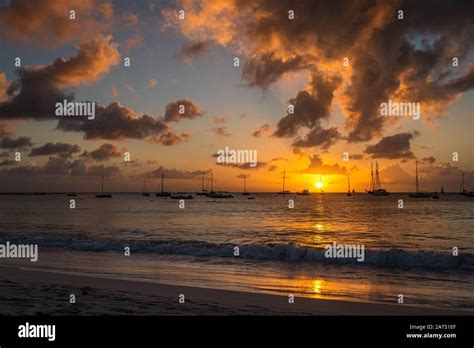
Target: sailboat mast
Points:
(102, 184)
(462, 182)
(212, 183)
(162, 180)
(348, 184)
(377, 179)
(372, 186)
(417, 184)
(284, 174)
(202, 183)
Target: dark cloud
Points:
(190, 110)
(262, 131)
(310, 108)
(221, 131)
(9, 142)
(57, 165)
(61, 149)
(318, 137)
(317, 167)
(102, 170)
(392, 147)
(104, 152)
(194, 49)
(115, 122)
(408, 59)
(175, 173)
(244, 166)
(62, 166)
(272, 168)
(170, 138)
(263, 70)
(429, 159)
(356, 156)
(39, 88)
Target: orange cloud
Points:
(38, 88)
(48, 22)
(275, 46)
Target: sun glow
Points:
(318, 184)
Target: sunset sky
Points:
(190, 61)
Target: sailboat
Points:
(348, 187)
(283, 192)
(245, 193)
(103, 195)
(146, 194)
(217, 194)
(375, 186)
(303, 193)
(203, 192)
(442, 189)
(162, 193)
(418, 193)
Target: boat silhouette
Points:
(103, 195)
(418, 193)
(303, 193)
(283, 192)
(217, 194)
(162, 193)
(375, 185)
(245, 193)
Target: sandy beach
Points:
(33, 292)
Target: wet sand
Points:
(38, 292)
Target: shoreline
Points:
(41, 292)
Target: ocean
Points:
(408, 251)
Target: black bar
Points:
(243, 330)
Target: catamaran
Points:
(418, 193)
(162, 192)
(375, 186)
(103, 195)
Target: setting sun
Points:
(318, 184)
